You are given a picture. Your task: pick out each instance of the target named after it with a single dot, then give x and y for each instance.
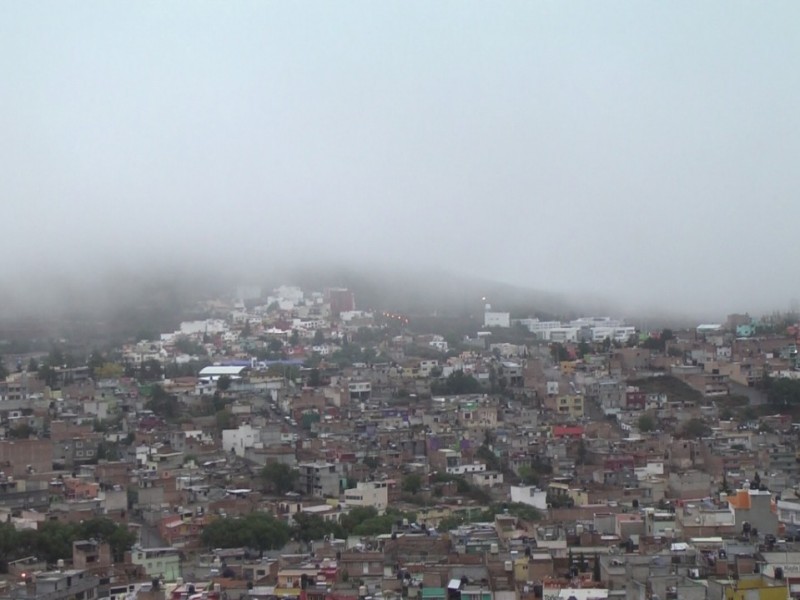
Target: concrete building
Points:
(570, 406)
(341, 300)
(239, 440)
(529, 495)
(158, 562)
(359, 390)
(23, 457)
(540, 328)
(757, 508)
(320, 479)
(370, 493)
(73, 584)
(689, 484)
(496, 319)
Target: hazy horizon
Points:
(635, 153)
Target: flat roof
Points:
(221, 370)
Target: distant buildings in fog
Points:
(589, 329)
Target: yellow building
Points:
(756, 587)
(571, 405)
(433, 515)
(568, 366)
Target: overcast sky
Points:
(646, 152)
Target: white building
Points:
(210, 326)
(350, 315)
(239, 440)
(650, 470)
(789, 512)
(530, 495)
(496, 319)
(158, 562)
(369, 493)
(440, 345)
(466, 469)
(290, 293)
(564, 334)
(551, 593)
(487, 478)
(596, 322)
(309, 324)
(617, 333)
(540, 328)
(426, 366)
(214, 372)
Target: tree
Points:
(694, 429)
(528, 475)
(53, 540)
(279, 478)
(108, 370)
(48, 375)
(583, 452)
(224, 419)
(450, 522)
(224, 383)
(319, 337)
(559, 353)
(782, 392)
(133, 497)
(105, 451)
(56, 357)
(412, 483)
(33, 365)
(3, 369)
(118, 536)
(356, 516)
(310, 527)
(314, 378)
(456, 383)
(258, 531)
(485, 453)
(372, 462)
(95, 361)
(646, 423)
(163, 404)
(21, 432)
(187, 345)
(381, 524)
(151, 370)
